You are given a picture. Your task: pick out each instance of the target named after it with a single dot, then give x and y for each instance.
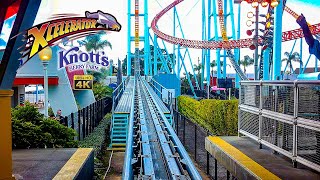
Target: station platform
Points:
(242, 157)
(59, 163)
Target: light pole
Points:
(45, 56)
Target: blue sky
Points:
(311, 2)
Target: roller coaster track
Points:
(225, 43)
(155, 151)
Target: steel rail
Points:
(172, 166)
(146, 156)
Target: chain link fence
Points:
(285, 116)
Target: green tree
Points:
(213, 64)
(245, 62)
(98, 76)
(95, 42)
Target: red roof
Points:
(34, 80)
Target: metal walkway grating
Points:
(124, 105)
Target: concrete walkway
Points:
(276, 164)
(46, 163)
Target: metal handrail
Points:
(169, 95)
(280, 82)
(293, 120)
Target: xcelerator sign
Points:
(48, 33)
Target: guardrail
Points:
(285, 116)
(117, 93)
(168, 100)
(158, 88)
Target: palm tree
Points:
(197, 68)
(213, 64)
(245, 62)
(295, 57)
(95, 42)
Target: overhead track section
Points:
(212, 45)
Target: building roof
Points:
(307, 70)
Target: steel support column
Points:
(277, 39)
(129, 40)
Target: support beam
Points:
(236, 51)
(277, 38)
(205, 62)
(155, 59)
(176, 66)
(266, 58)
(9, 63)
(129, 40)
(146, 40)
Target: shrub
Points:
(30, 129)
(220, 117)
(98, 136)
(100, 90)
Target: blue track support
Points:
(146, 39)
(178, 63)
(208, 52)
(129, 40)
(155, 59)
(180, 26)
(305, 66)
(277, 39)
(216, 35)
(224, 64)
(236, 35)
(159, 54)
(205, 58)
(266, 58)
(176, 66)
